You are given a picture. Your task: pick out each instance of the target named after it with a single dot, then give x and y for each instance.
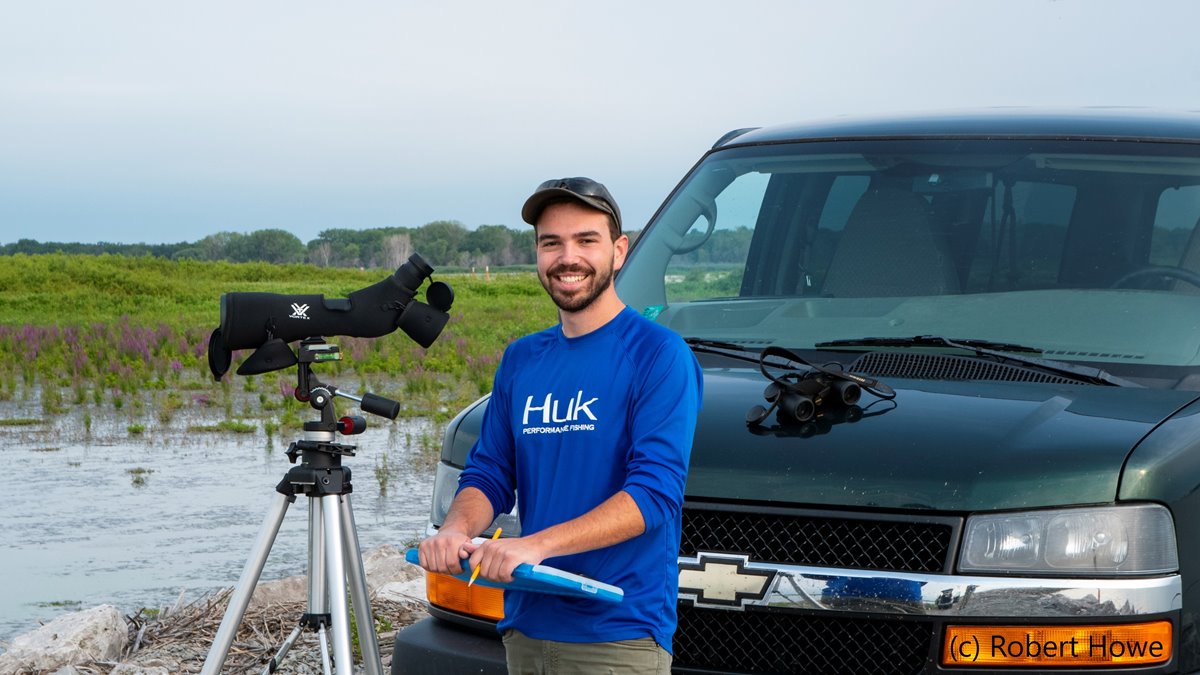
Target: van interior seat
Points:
(890, 248)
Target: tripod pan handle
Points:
(378, 405)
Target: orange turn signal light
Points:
(452, 593)
(1130, 644)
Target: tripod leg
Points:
(273, 664)
(335, 570)
(368, 641)
(318, 592)
(318, 596)
(240, 598)
(326, 666)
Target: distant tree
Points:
(523, 247)
(26, 246)
(273, 246)
(440, 242)
(320, 253)
(396, 249)
(489, 245)
(217, 246)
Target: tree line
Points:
(444, 243)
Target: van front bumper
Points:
(434, 646)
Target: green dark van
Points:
(952, 400)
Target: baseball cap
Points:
(583, 190)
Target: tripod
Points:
(333, 551)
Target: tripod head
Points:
(319, 434)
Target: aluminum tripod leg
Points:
(368, 641)
(318, 603)
(335, 569)
(240, 598)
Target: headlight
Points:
(445, 484)
(1105, 541)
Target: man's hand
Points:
(498, 558)
(469, 514)
(445, 551)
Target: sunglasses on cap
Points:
(585, 190)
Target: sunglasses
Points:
(580, 186)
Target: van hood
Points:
(939, 445)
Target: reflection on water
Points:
(80, 532)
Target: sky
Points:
(160, 122)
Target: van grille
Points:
(805, 539)
(779, 642)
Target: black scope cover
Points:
(250, 319)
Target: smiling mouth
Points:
(571, 278)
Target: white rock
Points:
(386, 565)
(97, 634)
(290, 589)
(409, 591)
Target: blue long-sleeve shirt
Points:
(571, 422)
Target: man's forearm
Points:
(470, 513)
(615, 520)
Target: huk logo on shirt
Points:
(558, 416)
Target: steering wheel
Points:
(1155, 271)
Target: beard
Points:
(581, 299)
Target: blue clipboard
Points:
(543, 579)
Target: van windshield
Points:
(1082, 250)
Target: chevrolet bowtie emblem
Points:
(722, 580)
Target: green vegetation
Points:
(131, 334)
(138, 475)
(236, 426)
(59, 603)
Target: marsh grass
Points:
(235, 426)
(132, 334)
(383, 473)
(138, 475)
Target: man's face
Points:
(576, 256)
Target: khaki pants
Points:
(527, 656)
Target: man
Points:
(591, 423)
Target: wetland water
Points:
(83, 526)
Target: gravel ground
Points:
(179, 641)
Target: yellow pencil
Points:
(495, 536)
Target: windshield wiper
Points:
(930, 340)
(997, 350)
(730, 349)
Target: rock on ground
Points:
(96, 634)
(178, 640)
